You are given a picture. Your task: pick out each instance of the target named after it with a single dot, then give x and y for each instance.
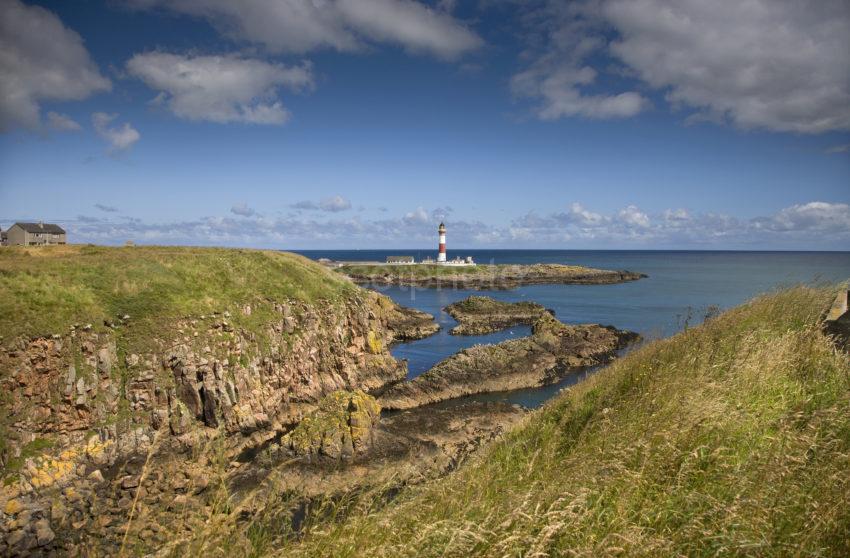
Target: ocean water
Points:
(680, 288)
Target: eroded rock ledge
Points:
(479, 315)
(553, 350)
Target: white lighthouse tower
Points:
(441, 255)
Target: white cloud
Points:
(775, 64)
(818, 225)
(813, 216)
(62, 122)
(779, 65)
(346, 25)
(40, 60)
(578, 215)
(845, 148)
(106, 208)
(559, 76)
(243, 210)
(220, 88)
(334, 204)
(631, 215)
(120, 138)
(417, 216)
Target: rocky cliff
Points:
(83, 406)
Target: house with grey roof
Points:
(34, 234)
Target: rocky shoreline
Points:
(553, 350)
(492, 277)
(126, 436)
(480, 315)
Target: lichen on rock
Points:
(339, 428)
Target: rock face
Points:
(339, 428)
(553, 350)
(485, 276)
(79, 409)
(479, 315)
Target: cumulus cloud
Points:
(333, 204)
(560, 76)
(809, 225)
(120, 138)
(773, 64)
(813, 216)
(417, 216)
(633, 216)
(243, 210)
(106, 208)
(41, 60)
(797, 225)
(62, 122)
(346, 25)
(220, 88)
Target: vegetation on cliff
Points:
(46, 290)
(730, 438)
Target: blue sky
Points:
(594, 124)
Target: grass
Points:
(731, 438)
(47, 289)
(418, 270)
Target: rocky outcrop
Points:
(484, 276)
(479, 315)
(80, 405)
(553, 350)
(406, 324)
(340, 428)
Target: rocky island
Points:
(482, 276)
(553, 350)
(479, 315)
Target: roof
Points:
(41, 228)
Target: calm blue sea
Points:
(680, 287)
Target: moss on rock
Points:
(339, 428)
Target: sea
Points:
(680, 289)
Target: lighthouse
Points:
(441, 255)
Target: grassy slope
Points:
(47, 289)
(730, 438)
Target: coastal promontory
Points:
(553, 350)
(502, 276)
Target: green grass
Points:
(732, 438)
(47, 289)
(419, 270)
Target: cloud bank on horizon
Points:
(797, 226)
(769, 66)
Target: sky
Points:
(344, 124)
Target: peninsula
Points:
(504, 276)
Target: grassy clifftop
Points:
(47, 289)
(731, 438)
